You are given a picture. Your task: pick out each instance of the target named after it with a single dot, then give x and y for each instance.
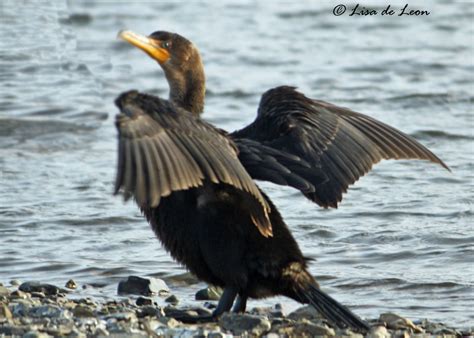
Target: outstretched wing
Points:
(270, 164)
(164, 149)
(342, 143)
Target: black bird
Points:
(194, 182)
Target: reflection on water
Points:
(403, 235)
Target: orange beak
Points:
(150, 46)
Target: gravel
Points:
(37, 310)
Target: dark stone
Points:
(10, 330)
(209, 305)
(186, 312)
(172, 299)
(141, 301)
(209, 293)
(47, 289)
(71, 284)
(142, 286)
(147, 310)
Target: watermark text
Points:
(390, 10)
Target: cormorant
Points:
(195, 182)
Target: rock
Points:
(439, 329)
(152, 311)
(305, 328)
(403, 333)
(19, 295)
(21, 309)
(261, 311)
(347, 333)
(13, 330)
(123, 316)
(101, 332)
(218, 335)
(271, 312)
(38, 294)
(447, 331)
(169, 322)
(172, 299)
(305, 312)
(115, 326)
(15, 282)
(209, 293)
(142, 286)
(60, 330)
(277, 322)
(4, 291)
(5, 313)
(279, 310)
(238, 324)
(77, 334)
(86, 301)
(71, 284)
(396, 322)
(173, 312)
(49, 311)
(25, 320)
(150, 325)
(378, 332)
(468, 332)
(141, 301)
(34, 334)
(47, 289)
(83, 311)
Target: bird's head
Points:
(171, 50)
(180, 61)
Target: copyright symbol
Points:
(339, 10)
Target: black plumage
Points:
(194, 182)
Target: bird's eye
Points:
(166, 44)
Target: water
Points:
(401, 241)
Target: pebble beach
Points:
(40, 310)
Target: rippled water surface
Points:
(402, 240)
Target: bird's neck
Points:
(188, 90)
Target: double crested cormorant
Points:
(195, 183)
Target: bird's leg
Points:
(240, 304)
(226, 301)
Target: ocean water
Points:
(402, 239)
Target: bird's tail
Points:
(332, 310)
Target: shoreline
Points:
(38, 310)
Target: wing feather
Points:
(340, 143)
(163, 149)
(148, 150)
